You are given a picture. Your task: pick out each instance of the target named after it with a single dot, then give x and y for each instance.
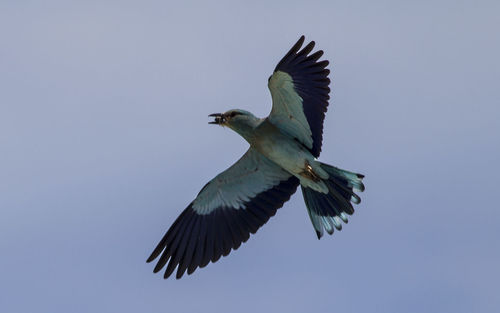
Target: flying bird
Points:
(283, 153)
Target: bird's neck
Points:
(247, 130)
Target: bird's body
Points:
(286, 152)
(282, 155)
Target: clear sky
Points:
(104, 141)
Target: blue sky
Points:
(104, 141)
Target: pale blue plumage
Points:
(282, 155)
(252, 174)
(288, 113)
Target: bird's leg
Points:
(309, 173)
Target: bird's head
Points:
(233, 118)
(241, 121)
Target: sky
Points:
(104, 141)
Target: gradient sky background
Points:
(104, 141)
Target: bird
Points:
(283, 153)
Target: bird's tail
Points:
(327, 211)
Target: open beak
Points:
(219, 118)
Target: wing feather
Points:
(233, 205)
(300, 93)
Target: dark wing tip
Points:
(297, 45)
(157, 251)
(307, 49)
(158, 267)
(178, 247)
(293, 51)
(179, 274)
(319, 234)
(311, 82)
(316, 55)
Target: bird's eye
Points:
(233, 114)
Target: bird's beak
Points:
(220, 119)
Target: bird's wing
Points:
(234, 204)
(299, 89)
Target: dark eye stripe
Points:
(233, 114)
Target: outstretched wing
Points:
(299, 89)
(234, 204)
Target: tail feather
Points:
(328, 211)
(315, 217)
